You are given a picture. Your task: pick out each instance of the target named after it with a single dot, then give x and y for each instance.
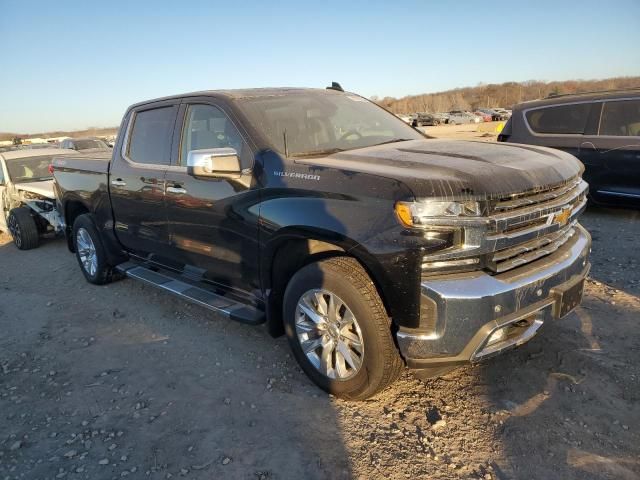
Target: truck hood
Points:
(43, 188)
(458, 168)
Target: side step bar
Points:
(234, 310)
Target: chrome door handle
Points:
(176, 190)
(118, 183)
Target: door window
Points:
(150, 140)
(621, 118)
(561, 119)
(208, 127)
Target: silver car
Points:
(458, 117)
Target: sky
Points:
(71, 65)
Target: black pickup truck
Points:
(320, 213)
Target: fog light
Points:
(497, 336)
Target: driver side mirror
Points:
(214, 163)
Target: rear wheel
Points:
(338, 329)
(90, 251)
(23, 228)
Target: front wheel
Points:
(90, 251)
(339, 330)
(23, 228)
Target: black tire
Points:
(345, 278)
(23, 228)
(103, 272)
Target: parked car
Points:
(495, 116)
(330, 219)
(408, 119)
(425, 120)
(506, 114)
(601, 129)
(89, 143)
(442, 117)
(457, 117)
(26, 195)
(484, 116)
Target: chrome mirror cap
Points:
(214, 162)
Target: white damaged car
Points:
(27, 200)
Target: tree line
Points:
(503, 95)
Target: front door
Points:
(212, 225)
(137, 182)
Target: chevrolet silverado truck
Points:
(329, 219)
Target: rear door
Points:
(212, 223)
(137, 181)
(618, 143)
(557, 126)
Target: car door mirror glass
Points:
(214, 162)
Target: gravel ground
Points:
(122, 380)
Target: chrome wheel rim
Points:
(86, 252)
(14, 228)
(329, 334)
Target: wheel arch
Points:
(292, 250)
(72, 209)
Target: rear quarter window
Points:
(621, 118)
(561, 119)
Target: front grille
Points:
(521, 228)
(529, 227)
(527, 252)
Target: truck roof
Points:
(235, 94)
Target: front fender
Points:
(363, 228)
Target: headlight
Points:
(414, 214)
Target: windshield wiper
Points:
(316, 153)
(394, 140)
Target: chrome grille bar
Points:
(522, 254)
(523, 200)
(520, 230)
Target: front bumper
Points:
(471, 307)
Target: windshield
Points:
(29, 169)
(87, 144)
(323, 122)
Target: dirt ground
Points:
(125, 381)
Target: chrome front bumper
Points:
(470, 307)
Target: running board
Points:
(233, 309)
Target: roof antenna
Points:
(336, 86)
(284, 138)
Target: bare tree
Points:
(503, 95)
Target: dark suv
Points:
(602, 129)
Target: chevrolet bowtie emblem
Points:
(561, 218)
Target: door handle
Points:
(176, 189)
(118, 183)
